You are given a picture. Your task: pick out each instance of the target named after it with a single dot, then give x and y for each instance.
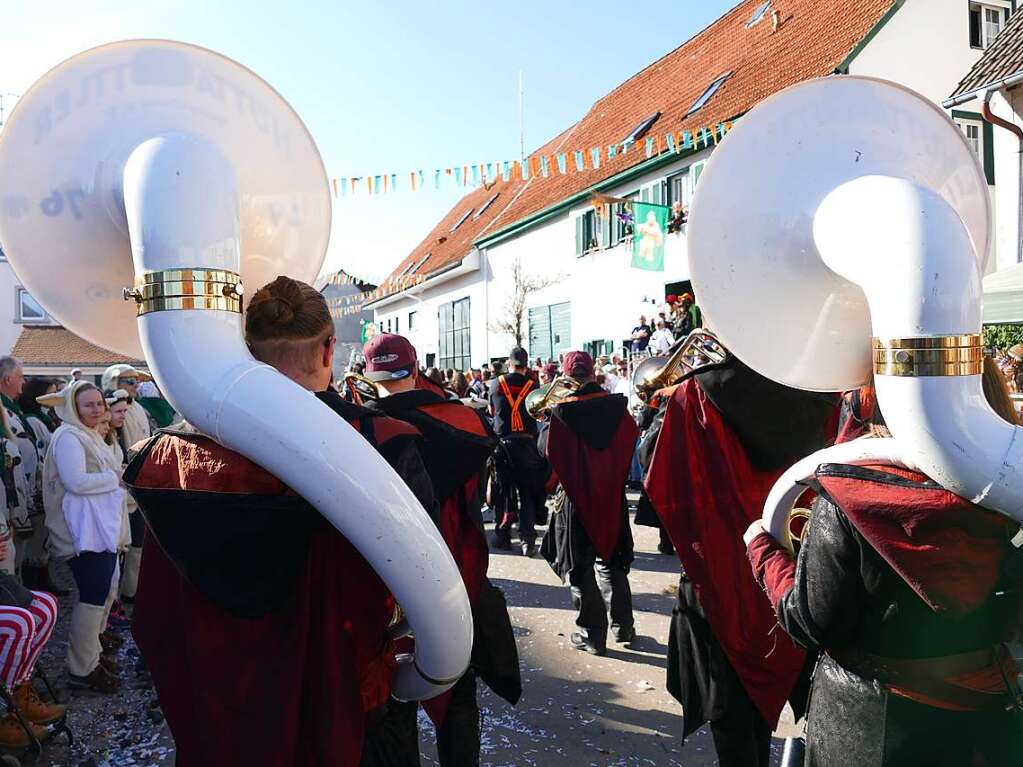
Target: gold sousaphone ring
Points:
(929, 356)
(187, 289)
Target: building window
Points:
(411, 321)
(550, 330)
(588, 230)
(641, 130)
(462, 219)
(758, 14)
(973, 136)
(986, 21)
(397, 324)
(708, 94)
(27, 309)
(486, 205)
(454, 335)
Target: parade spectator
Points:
(86, 516)
(459, 384)
(661, 341)
(476, 386)
(640, 336)
(549, 373)
(436, 376)
(40, 419)
(76, 374)
(678, 218)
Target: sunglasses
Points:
(128, 381)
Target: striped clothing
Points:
(23, 634)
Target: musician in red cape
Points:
(265, 630)
(727, 434)
(457, 441)
(911, 592)
(590, 443)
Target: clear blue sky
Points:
(387, 86)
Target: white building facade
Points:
(596, 297)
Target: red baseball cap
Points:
(389, 357)
(578, 365)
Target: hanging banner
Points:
(561, 163)
(649, 230)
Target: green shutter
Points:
(561, 328)
(540, 332)
(989, 152)
(644, 194)
(697, 172)
(616, 227)
(580, 235)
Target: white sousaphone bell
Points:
(842, 229)
(174, 168)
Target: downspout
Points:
(485, 269)
(994, 119)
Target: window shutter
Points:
(697, 172)
(975, 40)
(605, 230)
(644, 194)
(616, 227)
(580, 235)
(1007, 13)
(658, 192)
(989, 152)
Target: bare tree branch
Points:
(512, 321)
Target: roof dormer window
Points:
(707, 94)
(486, 205)
(462, 219)
(641, 129)
(758, 14)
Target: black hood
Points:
(776, 424)
(594, 420)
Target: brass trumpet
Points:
(363, 390)
(698, 351)
(541, 400)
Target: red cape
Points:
(593, 468)
(290, 687)
(706, 494)
(947, 550)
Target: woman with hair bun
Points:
(267, 635)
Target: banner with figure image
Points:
(649, 228)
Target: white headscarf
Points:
(63, 403)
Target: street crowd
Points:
(549, 447)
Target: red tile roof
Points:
(813, 39)
(1003, 59)
(54, 345)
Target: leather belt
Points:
(929, 676)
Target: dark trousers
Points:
(522, 498)
(458, 737)
(595, 585)
(93, 572)
(393, 741)
(742, 737)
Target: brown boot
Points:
(110, 664)
(110, 642)
(100, 680)
(32, 706)
(13, 735)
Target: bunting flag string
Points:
(342, 306)
(560, 163)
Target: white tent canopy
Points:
(1003, 296)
